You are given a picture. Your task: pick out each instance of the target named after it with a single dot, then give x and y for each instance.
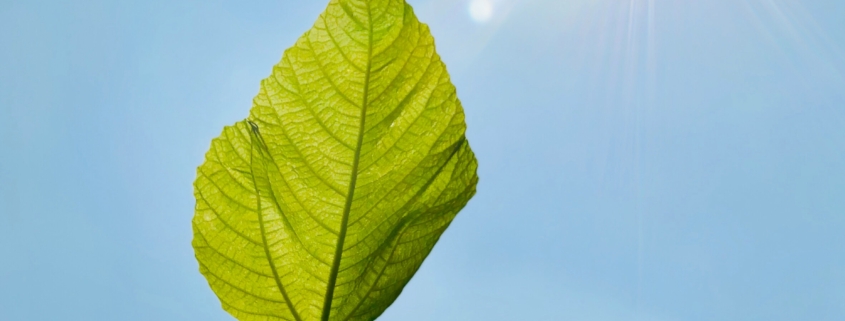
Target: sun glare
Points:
(480, 10)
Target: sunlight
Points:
(481, 10)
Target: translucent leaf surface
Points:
(353, 161)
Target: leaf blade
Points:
(352, 204)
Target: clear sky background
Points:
(639, 159)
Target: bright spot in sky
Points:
(480, 10)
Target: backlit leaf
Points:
(324, 202)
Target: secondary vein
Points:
(264, 232)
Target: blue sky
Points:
(639, 159)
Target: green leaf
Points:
(353, 161)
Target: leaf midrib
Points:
(332, 281)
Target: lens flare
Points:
(480, 10)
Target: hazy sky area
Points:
(640, 160)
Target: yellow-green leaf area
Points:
(325, 201)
